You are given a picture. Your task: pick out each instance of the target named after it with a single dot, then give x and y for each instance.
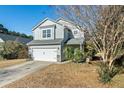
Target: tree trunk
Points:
(110, 63)
(104, 58)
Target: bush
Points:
(13, 50)
(10, 49)
(89, 49)
(78, 56)
(22, 52)
(106, 73)
(69, 53)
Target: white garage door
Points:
(45, 54)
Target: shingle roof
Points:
(45, 42)
(74, 41)
(14, 38)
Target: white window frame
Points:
(45, 34)
(75, 32)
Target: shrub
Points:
(10, 49)
(69, 53)
(13, 50)
(106, 73)
(78, 55)
(89, 49)
(22, 52)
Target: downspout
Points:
(81, 42)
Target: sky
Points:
(23, 18)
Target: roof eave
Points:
(43, 44)
(43, 22)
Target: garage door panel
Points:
(45, 54)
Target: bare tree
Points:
(104, 24)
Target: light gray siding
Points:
(38, 33)
(73, 28)
(57, 30)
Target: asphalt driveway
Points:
(14, 73)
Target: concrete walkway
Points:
(10, 74)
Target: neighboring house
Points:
(6, 37)
(50, 38)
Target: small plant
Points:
(106, 73)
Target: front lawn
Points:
(8, 63)
(66, 75)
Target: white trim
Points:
(65, 20)
(46, 33)
(51, 32)
(36, 26)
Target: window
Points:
(44, 33)
(75, 32)
(47, 33)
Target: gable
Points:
(47, 22)
(75, 31)
(57, 30)
(70, 25)
(44, 23)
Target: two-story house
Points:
(50, 38)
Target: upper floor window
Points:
(75, 32)
(47, 33)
